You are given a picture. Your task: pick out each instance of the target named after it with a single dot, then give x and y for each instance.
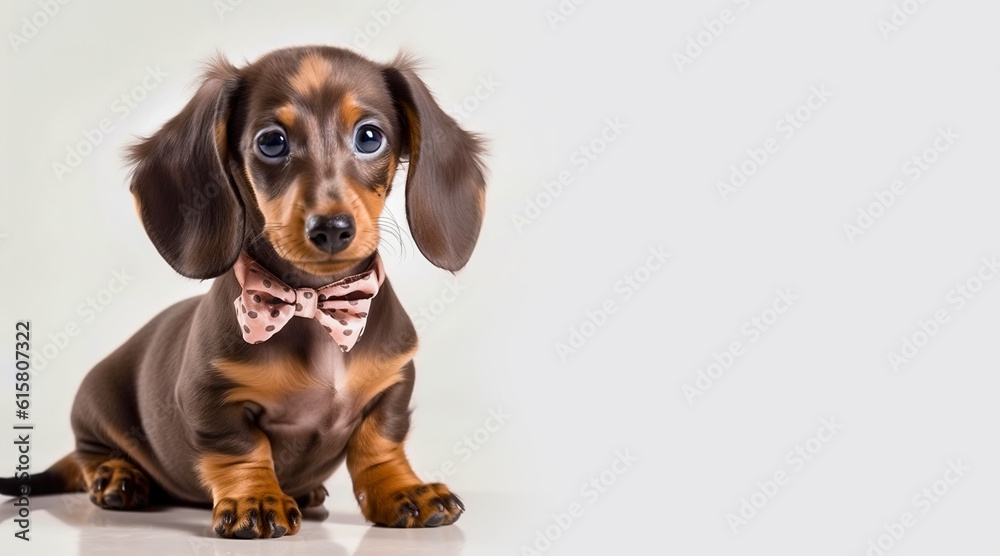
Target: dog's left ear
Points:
(445, 187)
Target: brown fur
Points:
(385, 486)
(313, 73)
(269, 381)
(248, 500)
(186, 408)
(286, 115)
(350, 111)
(115, 484)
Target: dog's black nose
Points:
(331, 233)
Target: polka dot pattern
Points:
(266, 304)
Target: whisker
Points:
(387, 222)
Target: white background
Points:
(529, 285)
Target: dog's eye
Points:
(368, 139)
(272, 143)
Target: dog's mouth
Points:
(305, 257)
(319, 240)
(327, 268)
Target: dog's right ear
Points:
(183, 191)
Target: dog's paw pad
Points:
(119, 485)
(428, 505)
(251, 517)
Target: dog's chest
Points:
(313, 399)
(309, 414)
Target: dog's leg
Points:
(114, 483)
(314, 498)
(385, 485)
(247, 501)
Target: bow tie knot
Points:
(266, 304)
(306, 303)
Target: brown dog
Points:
(287, 161)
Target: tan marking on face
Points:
(239, 475)
(365, 206)
(284, 225)
(267, 382)
(284, 218)
(349, 111)
(356, 196)
(284, 222)
(285, 115)
(369, 374)
(313, 72)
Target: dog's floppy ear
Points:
(183, 191)
(445, 187)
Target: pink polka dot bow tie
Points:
(266, 304)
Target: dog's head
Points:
(295, 154)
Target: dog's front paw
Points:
(119, 485)
(427, 505)
(267, 515)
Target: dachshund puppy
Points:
(272, 179)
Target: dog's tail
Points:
(64, 476)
